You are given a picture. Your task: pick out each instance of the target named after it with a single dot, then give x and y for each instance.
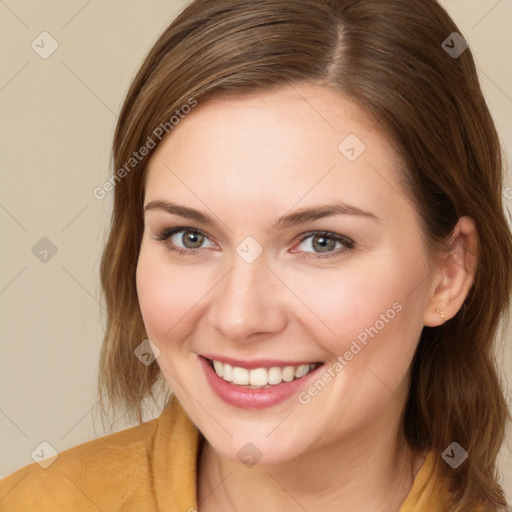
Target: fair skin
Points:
(246, 162)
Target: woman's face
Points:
(347, 288)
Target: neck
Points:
(372, 469)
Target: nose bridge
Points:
(247, 301)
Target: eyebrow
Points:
(290, 219)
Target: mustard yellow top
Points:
(147, 468)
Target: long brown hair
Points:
(389, 57)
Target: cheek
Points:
(167, 295)
(365, 302)
(376, 324)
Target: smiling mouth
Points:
(264, 377)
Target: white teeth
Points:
(301, 370)
(227, 372)
(275, 375)
(258, 377)
(261, 377)
(240, 376)
(218, 368)
(288, 373)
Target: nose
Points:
(249, 303)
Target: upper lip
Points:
(255, 363)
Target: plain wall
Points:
(58, 116)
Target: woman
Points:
(308, 226)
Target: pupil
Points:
(325, 243)
(194, 239)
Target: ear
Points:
(454, 274)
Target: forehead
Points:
(297, 142)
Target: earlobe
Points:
(455, 274)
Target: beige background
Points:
(58, 116)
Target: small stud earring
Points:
(440, 312)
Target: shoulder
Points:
(99, 474)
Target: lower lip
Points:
(249, 398)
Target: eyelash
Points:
(165, 234)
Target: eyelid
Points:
(165, 234)
(349, 244)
